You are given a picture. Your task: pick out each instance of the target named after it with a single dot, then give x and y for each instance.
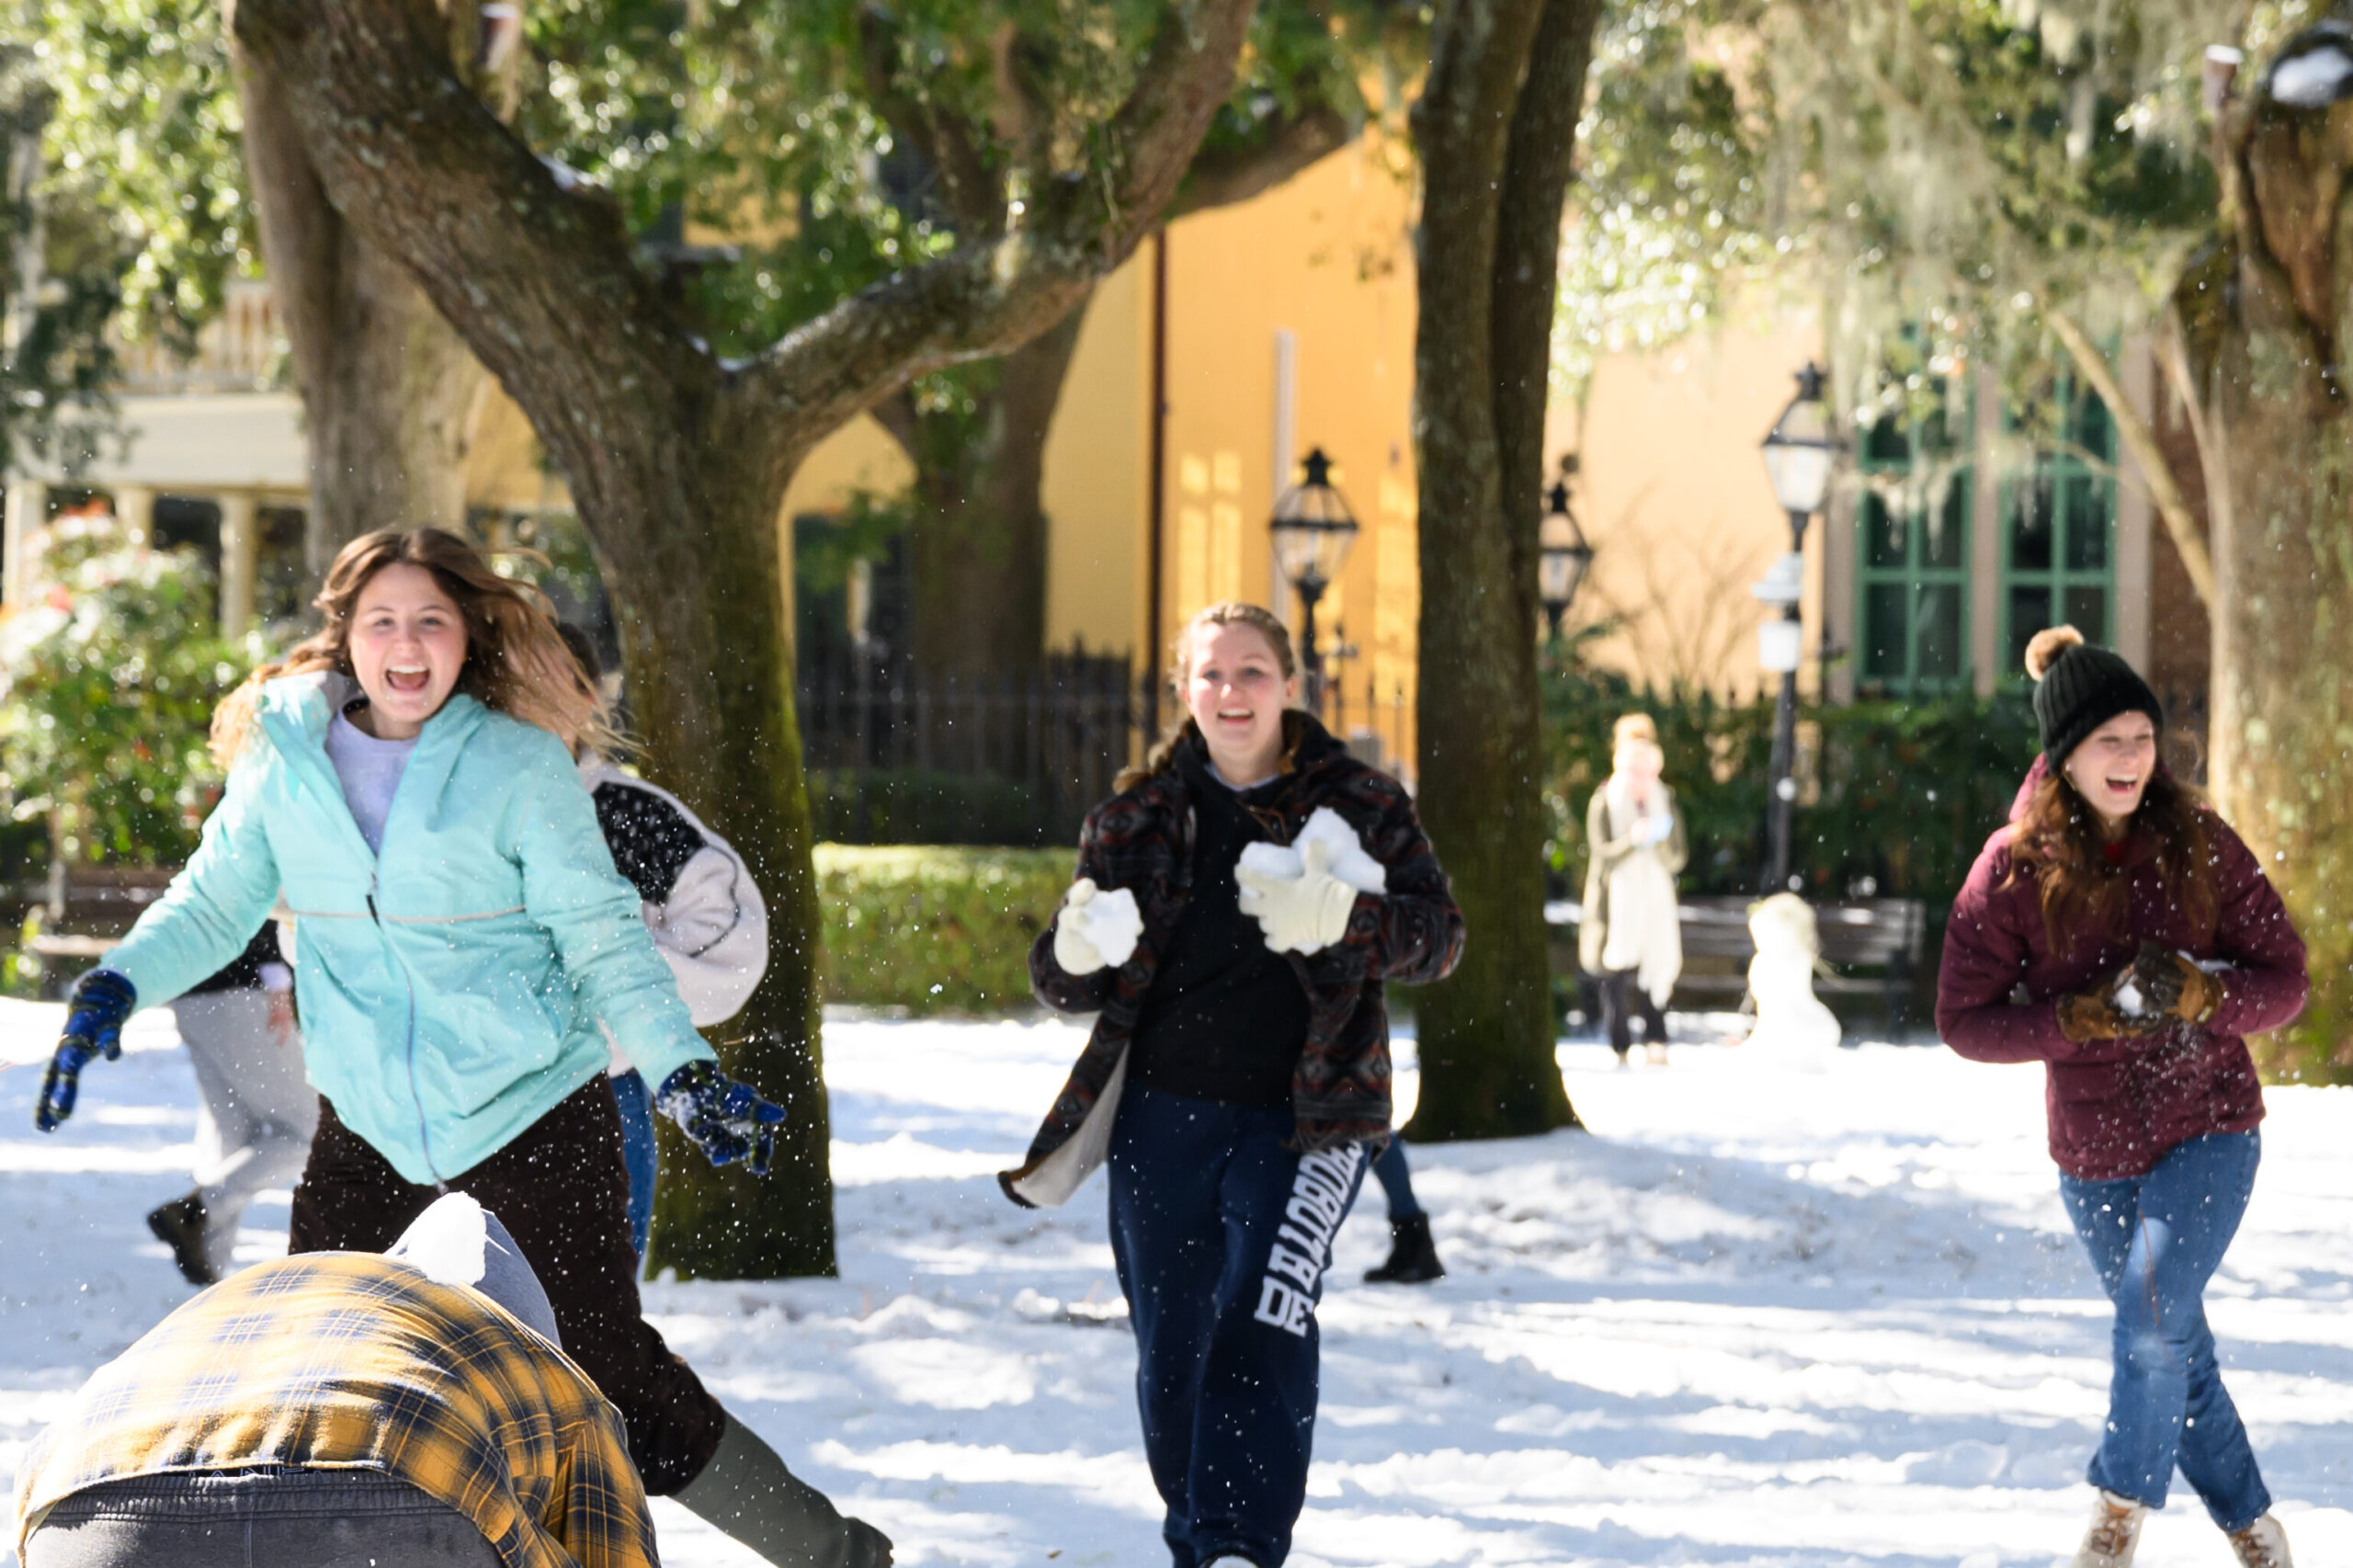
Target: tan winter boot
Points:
(2262, 1544)
(2115, 1534)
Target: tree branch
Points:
(2139, 438)
(1025, 122)
(2173, 353)
(1538, 168)
(897, 416)
(984, 299)
(538, 274)
(973, 198)
(535, 271)
(1286, 145)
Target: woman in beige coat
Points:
(1629, 937)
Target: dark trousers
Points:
(1221, 1236)
(560, 1191)
(1619, 993)
(320, 1518)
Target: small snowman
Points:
(1793, 1028)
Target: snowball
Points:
(1110, 922)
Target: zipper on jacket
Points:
(416, 1094)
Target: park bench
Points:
(86, 910)
(1880, 935)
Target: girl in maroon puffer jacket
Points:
(2118, 932)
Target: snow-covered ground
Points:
(1754, 1318)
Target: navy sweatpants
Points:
(1222, 1237)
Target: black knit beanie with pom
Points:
(2079, 687)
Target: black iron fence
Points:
(1002, 759)
(894, 758)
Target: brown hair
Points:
(516, 660)
(2057, 843)
(1226, 612)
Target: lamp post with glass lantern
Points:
(1312, 529)
(1562, 556)
(1798, 456)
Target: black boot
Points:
(179, 1225)
(1413, 1256)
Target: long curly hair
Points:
(2057, 844)
(1226, 612)
(516, 659)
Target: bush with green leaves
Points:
(912, 806)
(108, 683)
(933, 928)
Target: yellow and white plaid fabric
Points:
(351, 1360)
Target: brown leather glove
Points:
(2086, 1015)
(2174, 986)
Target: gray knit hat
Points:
(2079, 687)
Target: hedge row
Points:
(935, 928)
(904, 806)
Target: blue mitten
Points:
(727, 1120)
(102, 999)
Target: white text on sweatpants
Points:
(1319, 1198)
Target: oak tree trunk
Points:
(2269, 323)
(698, 585)
(1495, 128)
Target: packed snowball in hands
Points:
(1108, 924)
(1348, 860)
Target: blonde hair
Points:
(516, 659)
(1633, 727)
(1226, 612)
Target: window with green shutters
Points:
(2058, 532)
(1912, 562)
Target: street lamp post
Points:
(1312, 529)
(1562, 556)
(1798, 454)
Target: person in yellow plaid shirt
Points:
(399, 1409)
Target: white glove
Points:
(1349, 862)
(1096, 928)
(1305, 913)
(1654, 830)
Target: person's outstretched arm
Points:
(219, 899)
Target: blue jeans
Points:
(2155, 1240)
(636, 1103)
(1221, 1236)
(1396, 1180)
